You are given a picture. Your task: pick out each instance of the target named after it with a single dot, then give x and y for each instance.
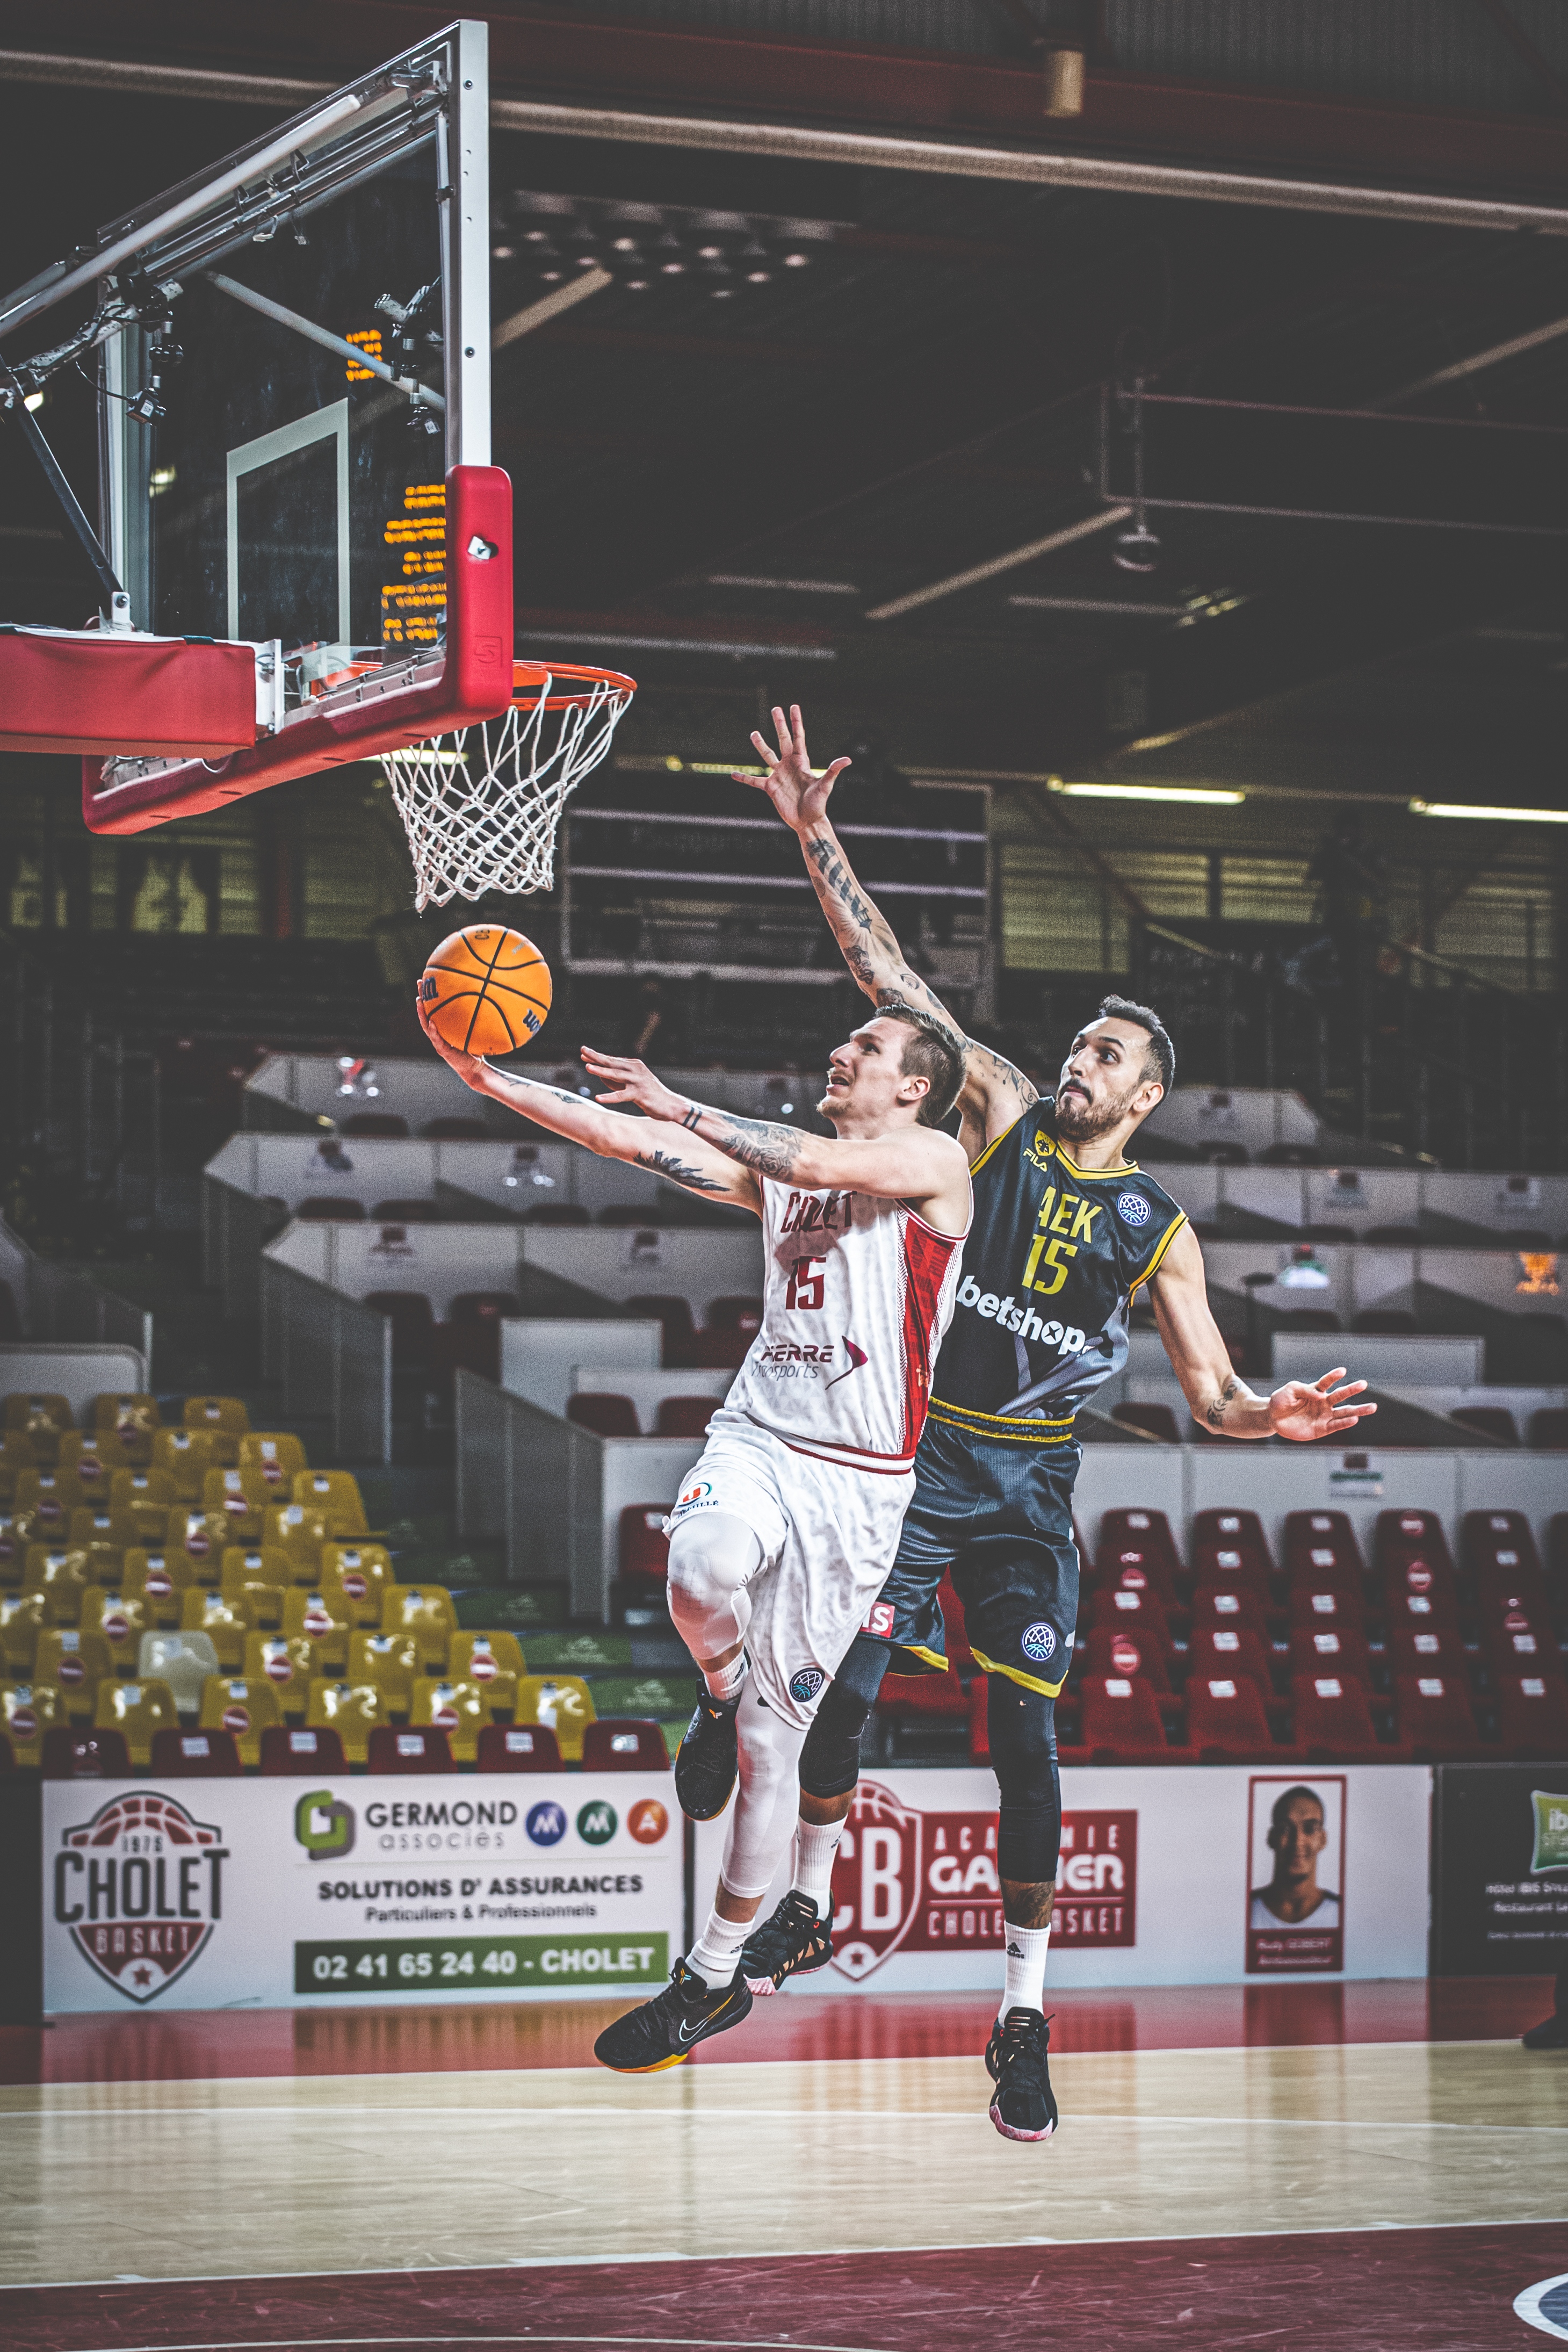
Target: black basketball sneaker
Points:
(705, 1760)
(791, 1943)
(1023, 2106)
(668, 2028)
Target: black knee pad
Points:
(1022, 1728)
(831, 1760)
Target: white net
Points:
(480, 806)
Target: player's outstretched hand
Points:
(630, 1081)
(799, 796)
(470, 1067)
(1307, 1409)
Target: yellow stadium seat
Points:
(223, 1420)
(288, 1662)
(43, 1418)
(222, 1617)
(158, 1578)
(46, 1498)
(235, 1703)
(15, 1455)
(23, 1616)
(76, 1663)
(145, 1498)
(26, 1711)
(321, 1618)
(118, 1621)
(461, 1710)
(12, 1551)
(277, 1454)
(243, 1495)
(391, 1661)
(563, 1704)
(184, 1661)
(62, 1572)
(203, 1536)
(362, 1574)
(301, 1534)
(185, 1455)
(95, 1454)
(99, 1523)
(337, 1492)
(247, 1564)
(425, 1611)
(480, 1657)
(134, 1419)
(137, 1709)
(351, 1709)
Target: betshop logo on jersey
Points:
(141, 1887)
(905, 1880)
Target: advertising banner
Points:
(1500, 1858)
(1174, 1877)
(223, 1893)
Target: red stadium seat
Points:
(643, 1546)
(406, 1212)
(1557, 1552)
(1225, 1720)
(1122, 1720)
(290, 1751)
(1137, 1615)
(1333, 1721)
(1107, 1649)
(519, 1748)
(673, 1312)
(1520, 1644)
(413, 1749)
(623, 1744)
(606, 1415)
(1326, 1606)
(194, 1756)
(1140, 1530)
(1435, 1722)
(386, 1124)
(1505, 1538)
(1223, 1563)
(1329, 1649)
(1426, 1650)
(735, 1315)
(686, 1416)
(1230, 1530)
(71, 1752)
(1548, 1429)
(456, 1130)
(1533, 1716)
(1408, 1584)
(1130, 1569)
(1308, 1534)
(1229, 1607)
(1226, 1650)
(1409, 1535)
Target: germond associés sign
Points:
(212, 1894)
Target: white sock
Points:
(816, 1843)
(725, 1682)
(716, 1952)
(1026, 1949)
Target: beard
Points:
(1085, 1121)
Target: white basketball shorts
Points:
(828, 1538)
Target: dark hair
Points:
(1282, 1805)
(930, 1054)
(1161, 1059)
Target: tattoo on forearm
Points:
(1229, 1390)
(855, 923)
(693, 1115)
(535, 1086)
(765, 1145)
(675, 1171)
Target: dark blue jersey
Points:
(1054, 1256)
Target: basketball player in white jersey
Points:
(786, 1530)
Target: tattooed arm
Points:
(1221, 1401)
(994, 1093)
(679, 1157)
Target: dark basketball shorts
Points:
(1000, 1516)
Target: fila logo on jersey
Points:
(1039, 1642)
(1133, 1209)
(807, 1683)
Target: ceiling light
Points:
(797, 261)
(32, 403)
(711, 252)
(1201, 794)
(673, 268)
(1490, 815)
(757, 276)
(502, 252)
(625, 244)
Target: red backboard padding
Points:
(95, 691)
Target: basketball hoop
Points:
(481, 806)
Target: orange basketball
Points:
(485, 990)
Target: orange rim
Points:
(526, 675)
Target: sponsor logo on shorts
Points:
(547, 1824)
(1133, 1209)
(1039, 1641)
(807, 1683)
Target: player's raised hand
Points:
(630, 1081)
(1303, 1410)
(799, 796)
(470, 1067)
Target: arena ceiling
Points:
(866, 326)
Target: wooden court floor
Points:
(1379, 2165)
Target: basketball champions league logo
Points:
(141, 1887)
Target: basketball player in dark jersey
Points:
(1067, 1233)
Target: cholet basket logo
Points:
(140, 1888)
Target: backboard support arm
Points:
(116, 609)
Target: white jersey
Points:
(858, 1292)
